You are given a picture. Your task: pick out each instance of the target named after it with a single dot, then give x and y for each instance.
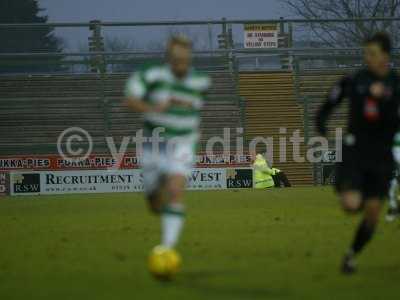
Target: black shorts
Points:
(370, 179)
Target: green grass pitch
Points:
(276, 244)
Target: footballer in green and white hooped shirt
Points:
(170, 96)
(394, 197)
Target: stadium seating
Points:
(35, 109)
(313, 87)
(270, 105)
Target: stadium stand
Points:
(35, 109)
(313, 87)
(270, 105)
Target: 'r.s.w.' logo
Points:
(239, 178)
(26, 183)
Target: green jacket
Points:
(262, 174)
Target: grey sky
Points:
(153, 10)
(135, 10)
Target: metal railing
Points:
(77, 46)
(205, 33)
(203, 22)
(234, 60)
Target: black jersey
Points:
(373, 113)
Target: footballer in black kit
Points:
(364, 175)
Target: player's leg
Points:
(364, 233)
(348, 186)
(367, 227)
(164, 196)
(284, 179)
(177, 166)
(277, 182)
(173, 211)
(351, 201)
(375, 185)
(156, 197)
(393, 211)
(154, 182)
(164, 261)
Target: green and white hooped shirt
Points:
(396, 148)
(158, 84)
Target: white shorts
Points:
(177, 159)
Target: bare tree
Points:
(156, 45)
(118, 44)
(120, 62)
(347, 34)
(198, 41)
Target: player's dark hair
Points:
(382, 39)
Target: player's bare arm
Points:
(140, 106)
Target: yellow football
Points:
(164, 263)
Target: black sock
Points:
(363, 236)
